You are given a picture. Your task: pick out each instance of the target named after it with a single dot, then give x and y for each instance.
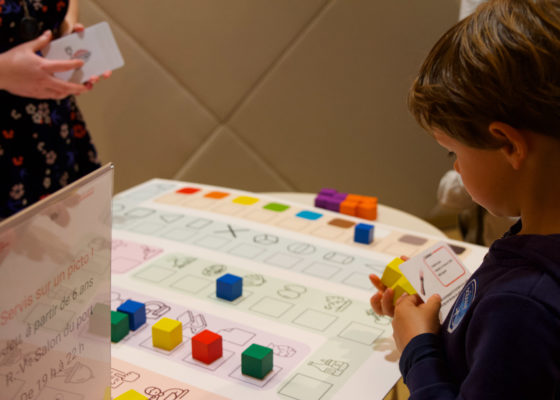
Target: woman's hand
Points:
(24, 73)
(94, 79)
(69, 26)
(413, 317)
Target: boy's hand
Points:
(382, 301)
(413, 317)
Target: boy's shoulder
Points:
(519, 277)
(523, 265)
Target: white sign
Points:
(55, 294)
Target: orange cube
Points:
(367, 210)
(348, 207)
(354, 197)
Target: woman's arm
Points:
(70, 23)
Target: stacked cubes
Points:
(393, 278)
(129, 316)
(347, 203)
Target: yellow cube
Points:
(393, 278)
(167, 333)
(392, 273)
(131, 395)
(402, 286)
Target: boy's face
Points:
(485, 174)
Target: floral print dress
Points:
(44, 144)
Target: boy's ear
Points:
(515, 145)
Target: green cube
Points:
(256, 361)
(119, 326)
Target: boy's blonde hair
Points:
(502, 63)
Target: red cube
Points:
(206, 346)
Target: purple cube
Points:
(327, 192)
(341, 196)
(333, 204)
(321, 201)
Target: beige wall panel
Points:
(333, 110)
(225, 160)
(216, 48)
(141, 118)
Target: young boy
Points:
(489, 92)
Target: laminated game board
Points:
(305, 294)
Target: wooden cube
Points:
(119, 326)
(256, 361)
(206, 346)
(167, 333)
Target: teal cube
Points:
(120, 326)
(256, 361)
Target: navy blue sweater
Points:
(501, 339)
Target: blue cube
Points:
(229, 287)
(136, 313)
(363, 233)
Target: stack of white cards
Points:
(437, 270)
(96, 46)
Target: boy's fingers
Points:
(375, 302)
(401, 299)
(376, 281)
(434, 302)
(409, 300)
(417, 299)
(387, 302)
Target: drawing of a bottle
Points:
(422, 289)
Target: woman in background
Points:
(44, 143)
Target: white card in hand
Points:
(437, 270)
(96, 46)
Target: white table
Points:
(385, 214)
